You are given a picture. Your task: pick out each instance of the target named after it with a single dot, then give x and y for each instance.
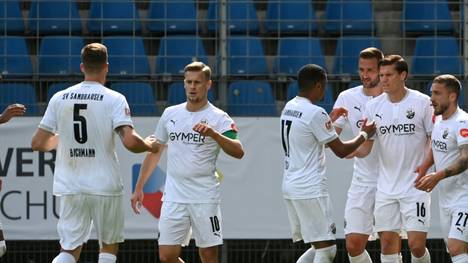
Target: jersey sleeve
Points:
(161, 131)
(462, 132)
(322, 127)
(49, 121)
(121, 113)
(341, 121)
(225, 124)
(428, 117)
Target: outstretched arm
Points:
(44, 141)
(344, 149)
(12, 111)
(149, 164)
(233, 147)
(133, 141)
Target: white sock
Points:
(400, 258)
(325, 255)
(307, 257)
(107, 258)
(363, 258)
(2, 248)
(64, 257)
(392, 258)
(426, 258)
(462, 258)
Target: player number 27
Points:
(79, 123)
(285, 129)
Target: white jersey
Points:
(85, 116)
(366, 170)
(305, 129)
(191, 157)
(447, 136)
(402, 131)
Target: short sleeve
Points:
(161, 131)
(226, 124)
(428, 117)
(462, 132)
(49, 121)
(121, 115)
(322, 127)
(341, 121)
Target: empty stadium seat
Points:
(251, 98)
(139, 96)
(326, 103)
(11, 20)
(241, 16)
(60, 56)
(18, 93)
(296, 16)
(56, 87)
(175, 52)
(127, 57)
(246, 56)
(176, 94)
(347, 53)
(14, 57)
(426, 16)
(176, 16)
(54, 17)
(114, 17)
(436, 55)
(349, 17)
(293, 53)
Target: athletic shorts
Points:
(359, 210)
(311, 219)
(79, 212)
(410, 213)
(178, 221)
(454, 222)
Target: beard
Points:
(374, 83)
(439, 109)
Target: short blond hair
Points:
(94, 57)
(449, 81)
(199, 66)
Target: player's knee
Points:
(354, 247)
(418, 249)
(390, 244)
(167, 257)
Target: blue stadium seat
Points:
(60, 56)
(139, 96)
(246, 56)
(436, 55)
(54, 17)
(56, 87)
(347, 53)
(11, 20)
(176, 94)
(326, 103)
(175, 16)
(349, 17)
(426, 16)
(114, 17)
(18, 93)
(127, 57)
(293, 53)
(14, 57)
(241, 17)
(297, 16)
(175, 52)
(251, 98)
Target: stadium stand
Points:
(295, 17)
(11, 19)
(14, 57)
(19, 93)
(175, 52)
(246, 56)
(56, 87)
(178, 16)
(349, 17)
(114, 17)
(347, 53)
(293, 53)
(140, 97)
(428, 17)
(241, 17)
(54, 17)
(60, 56)
(251, 98)
(127, 57)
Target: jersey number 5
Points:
(79, 123)
(285, 128)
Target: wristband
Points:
(364, 134)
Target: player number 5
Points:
(79, 123)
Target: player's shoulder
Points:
(174, 109)
(379, 100)
(351, 92)
(462, 117)
(418, 96)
